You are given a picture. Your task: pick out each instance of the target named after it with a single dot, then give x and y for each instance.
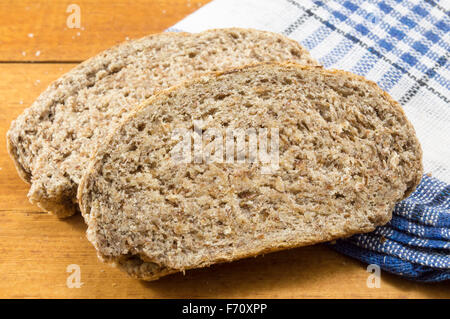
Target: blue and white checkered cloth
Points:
(404, 46)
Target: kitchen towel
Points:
(404, 46)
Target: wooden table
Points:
(36, 47)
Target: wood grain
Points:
(37, 30)
(36, 248)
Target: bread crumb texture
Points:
(347, 154)
(51, 142)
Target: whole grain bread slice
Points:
(346, 155)
(52, 140)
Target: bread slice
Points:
(346, 155)
(52, 140)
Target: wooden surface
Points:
(36, 248)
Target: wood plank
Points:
(37, 30)
(36, 248)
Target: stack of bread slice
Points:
(100, 140)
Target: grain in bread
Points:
(347, 154)
(52, 140)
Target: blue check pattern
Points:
(416, 242)
(408, 37)
(404, 46)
